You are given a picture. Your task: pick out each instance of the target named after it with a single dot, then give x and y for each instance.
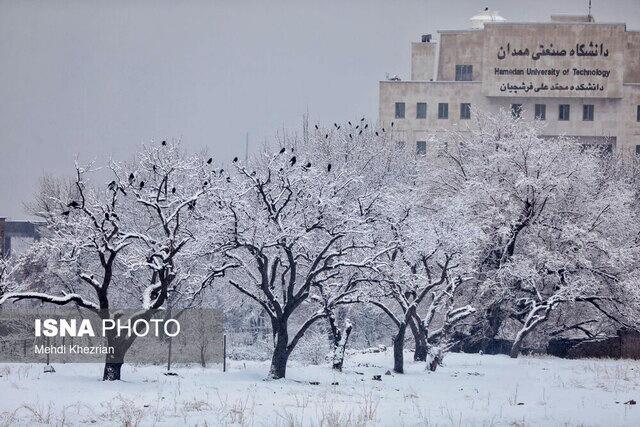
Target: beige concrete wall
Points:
(411, 129)
(629, 126)
(614, 121)
(460, 48)
(632, 58)
(423, 61)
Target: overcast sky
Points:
(96, 79)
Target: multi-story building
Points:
(581, 77)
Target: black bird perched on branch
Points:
(329, 167)
(65, 213)
(316, 127)
(326, 136)
(154, 168)
(383, 130)
(362, 119)
(164, 143)
(366, 126)
(360, 133)
(131, 178)
(141, 185)
(210, 160)
(73, 204)
(235, 160)
(173, 190)
(308, 165)
(376, 133)
(391, 124)
(106, 215)
(350, 136)
(293, 160)
(349, 123)
(112, 185)
(335, 125)
(282, 150)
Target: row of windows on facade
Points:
(443, 110)
(421, 148)
(540, 111)
(564, 112)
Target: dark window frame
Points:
(419, 151)
(465, 110)
(400, 110)
(588, 112)
(443, 110)
(516, 110)
(418, 110)
(564, 112)
(463, 73)
(540, 112)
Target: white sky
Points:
(96, 79)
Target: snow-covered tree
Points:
(84, 240)
(300, 217)
(104, 240)
(556, 225)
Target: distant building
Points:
(15, 236)
(581, 77)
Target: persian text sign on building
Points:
(553, 60)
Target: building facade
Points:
(580, 77)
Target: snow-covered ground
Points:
(470, 390)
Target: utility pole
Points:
(246, 148)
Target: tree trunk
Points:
(515, 349)
(114, 361)
(420, 339)
(517, 343)
(436, 358)
(280, 351)
(111, 371)
(340, 346)
(398, 350)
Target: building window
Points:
(421, 148)
(421, 110)
(399, 110)
(465, 111)
(443, 110)
(587, 112)
(638, 150)
(638, 114)
(464, 73)
(541, 112)
(563, 112)
(516, 110)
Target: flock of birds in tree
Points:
(114, 186)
